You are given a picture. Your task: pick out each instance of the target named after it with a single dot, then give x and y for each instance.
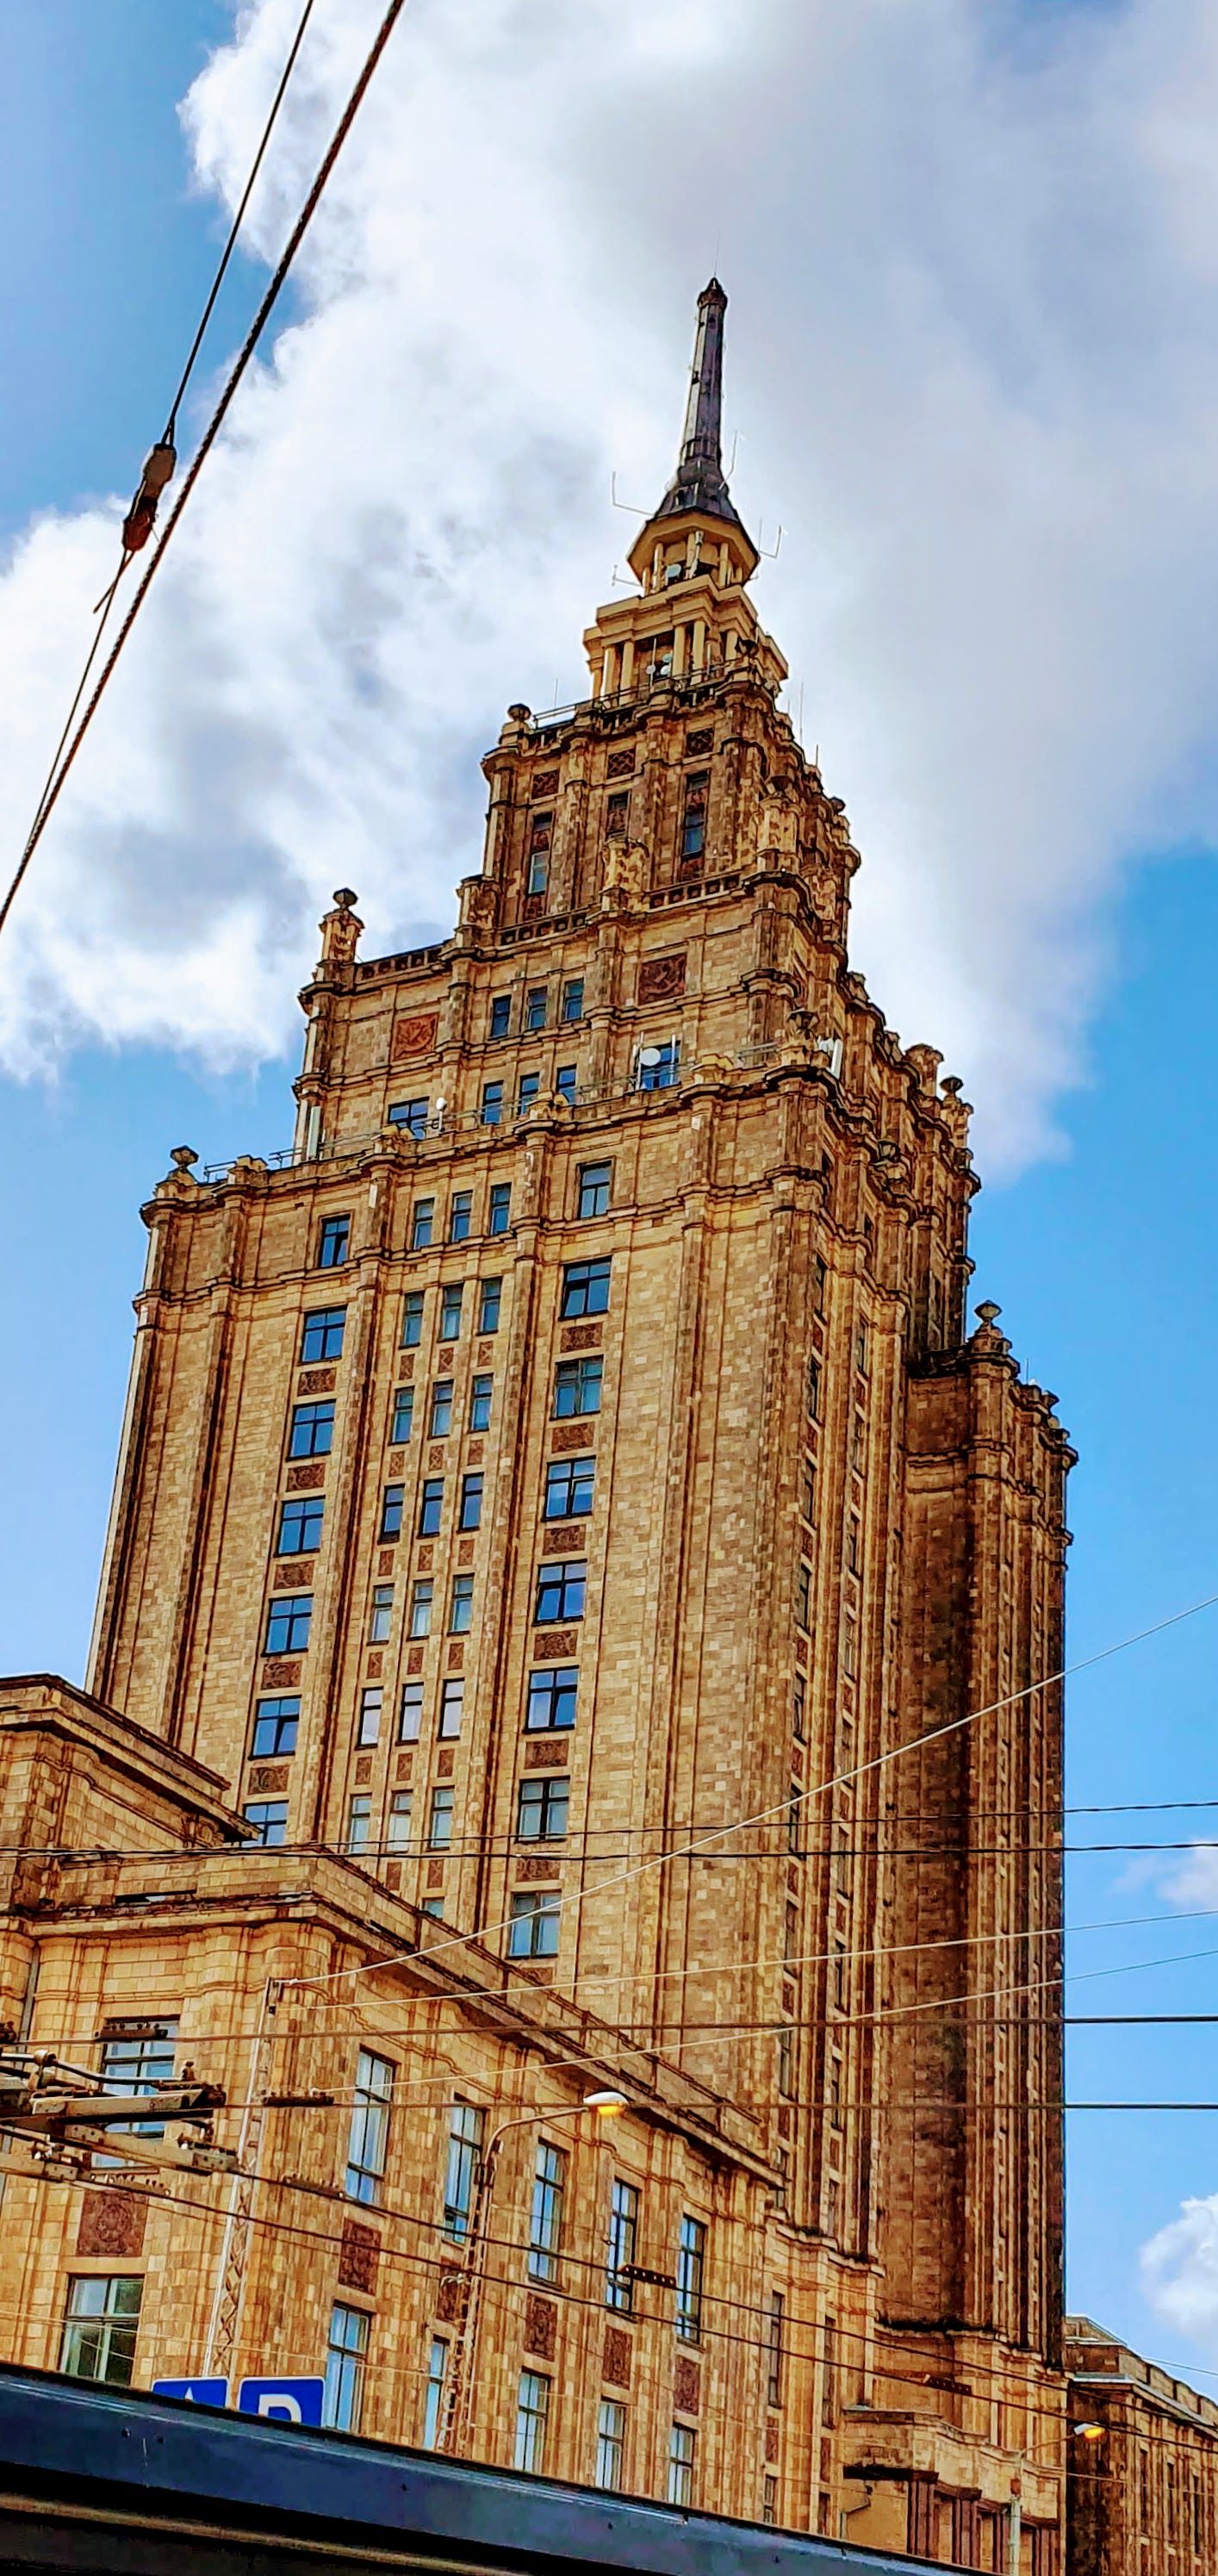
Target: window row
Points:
(585, 1284)
(550, 1706)
(535, 1008)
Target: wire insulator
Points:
(141, 517)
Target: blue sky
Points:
(1100, 1250)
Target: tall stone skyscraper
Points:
(564, 1512)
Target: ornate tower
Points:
(564, 1485)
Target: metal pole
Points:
(234, 2242)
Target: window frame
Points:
(582, 1374)
(691, 2278)
(342, 2402)
(115, 2327)
(562, 1581)
(539, 1791)
(570, 1479)
(594, 1187)
(582, 1284)
(270, 1816)
(552, 1686)
(532, 2420)
(315, 1414)
(622, 2244)
(534, 1923)
(333, 1242)
(368, 2127)
(277, 1710)
(301, 1521)
(290, 1611)
(324, 1327)
(546, 2212)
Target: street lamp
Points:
(460, 2376)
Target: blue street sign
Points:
(282, 2401)
(197, 2392)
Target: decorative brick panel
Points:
(414, 1660)
(540, 2326)
(465, 1552)
(446, 1762)
(280, 1672)
(393, 1876)
(363, 1771)
(788, 2001)
(403, 1766)
(358, 2257)
(474, 1453)
(384, 1562)
(286, 1578)
(395, 1463)
(435, 1456)
(111, 2222)
(406, 1367)
(620, 764)
(801, 1652)
(564, 1538)
(703, 739)
(617, 2357)
(455, 1657)
(375, 1666)
(583, 1337)
(435, 1873)
(546, 1753)
(554, 1645)
(771, 2438)
(538, 1866)
(423, 1562)
(269, 1776)
(413, 1036)
(484, 1355)
(572, 1435)
(784, 2120)
(446, 2297)
(305, 1480)
(793, 1887)
(661, 979)
(317, 1381)
(533, 908)
(545, 783)
(686, 2385)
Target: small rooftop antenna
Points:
(770, 552)
(632, 506)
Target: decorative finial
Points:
(344, 897)
(183, 1156)
(988, 1314)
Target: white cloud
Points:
(972, 353)
(1179, 2269)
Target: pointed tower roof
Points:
(698, 497)
(700, 482)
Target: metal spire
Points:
(699, 482)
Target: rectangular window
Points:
(433, 2402)
(533, 1929)
(854, 1544)
(501, 1012)
(391, 1512)
(569, 1488)
(410, 1114)
(775, 2314)
(552, 1696)
(275, 1726)
(136, 2065)
(312, 1431)
(465, 2129)
(577, 1386)
(691, 2265)
(346, 2354)
(401, 1809)
(560, 1592)
(623, 2244)
(402, 1423)
(566, 1083)
(529, 1086)
(541, 1811)
(681, 2445)
(410, 1717)
(862, 1350)
(594, 1181)
(450, 1311)
(490, 1300)
(540, 828)
(412, 1320)
(333, 1242)
(617, 815)
(300, 1520)
(420, 1609)
(545, 2218)
(440, 1818)
(434, 1906)
(359, 1823)
(799, 1709)
(499, 1213)
(532, 2412)
(657, 1067)
(480, 1403)
(101, 2321)
(807, 1493)
(452, 1707)
(471, 1501)
(803, 1596)
(573, 999)
(535, 1007)
(321, 1336)
(368, 2135)
(790, 1935)
(585, 1287)
(491, 1110)
(431, 1504)
(786, 2065)
(441, 1421)
(267, 1819)
(422, 1224)
(812, 1390)
(460, 1212)
(371, 1701)
(693, 819)
(461, 1605)
(287, 1623)
(610, 2445)
(769, 2500)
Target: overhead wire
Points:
(64, 758)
